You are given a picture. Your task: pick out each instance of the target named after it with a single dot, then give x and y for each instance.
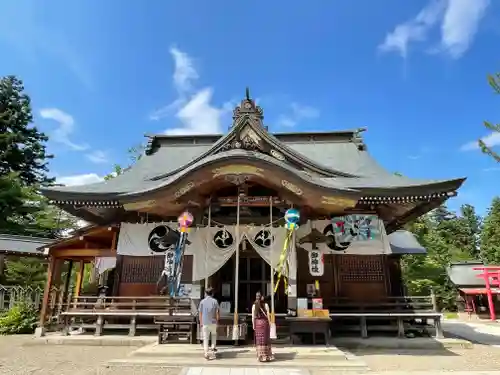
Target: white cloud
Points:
(491, 140)
(298, 113)
(184, 72)
(198, 116)
(66, 128)
(79, 179)
(491, 169)
(192, 106)
(459, 22)
(414, 30)
(98, 157)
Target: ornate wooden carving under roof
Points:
(248, 110)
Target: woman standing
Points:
(262, 329)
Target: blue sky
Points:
(101, 74)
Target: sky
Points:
(101, 74)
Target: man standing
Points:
(209, 317)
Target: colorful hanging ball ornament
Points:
(292, 218)
(185, 220)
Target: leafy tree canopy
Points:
(494, 81)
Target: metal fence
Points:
(15, 294)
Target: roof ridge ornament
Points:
(248, 110)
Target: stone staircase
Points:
(168, 356)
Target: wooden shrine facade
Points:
(250, 177)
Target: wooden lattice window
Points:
(141, 270)
(147, 269)
(361, 268)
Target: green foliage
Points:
(134, 155)
(448, 238)
(23, 168)
(490, 235)
(20, 319)
(25, 272)
(494, 81)
(22, 146)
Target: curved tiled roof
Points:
(171, 162)
(335, 160)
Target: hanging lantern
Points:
(185, 220)
(292, 218)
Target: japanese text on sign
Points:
(169, 262)
(316, 263)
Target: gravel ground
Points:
(479, 358)
(17, 359)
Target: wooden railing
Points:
(389, 304)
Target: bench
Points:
(400, 309)
(181, 327)
(400, 317)
(309, 325)
(156, 309)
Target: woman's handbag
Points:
(272, 326)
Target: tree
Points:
(448, 238)
(134, 155)
(23, 161)
(490, 235)
(494, 81)
(25, 272)
(22, 146)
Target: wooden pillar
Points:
(79, 279)
(66, 283)
(2, 265)
(292, 276)
(40, 331)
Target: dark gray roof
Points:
(404, 242)
(463, 274)
(172, 161)
(23, 245)
(333, 160)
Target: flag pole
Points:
(206, 241)
(271, 257)
(237, 272)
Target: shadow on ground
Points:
(474, 334)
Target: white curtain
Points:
(268, 243)
(211, 247)
(215, 246)
(102, 264)
(134, 239)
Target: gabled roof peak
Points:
(248, 110)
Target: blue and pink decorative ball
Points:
(292, 218)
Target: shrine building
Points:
(238, 187)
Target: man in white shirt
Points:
(209, 318)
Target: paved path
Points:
(243, 371)
(476, 332)
(271, 371)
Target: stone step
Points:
(193, 351)
(172, 362)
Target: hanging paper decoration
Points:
(353, 228)
(292, 218)
(316, 263)
(173, 267)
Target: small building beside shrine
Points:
(238, 187)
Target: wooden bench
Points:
(404, 310)
(157, 309)
(181, 327)
(400, 318)
(309, 325)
